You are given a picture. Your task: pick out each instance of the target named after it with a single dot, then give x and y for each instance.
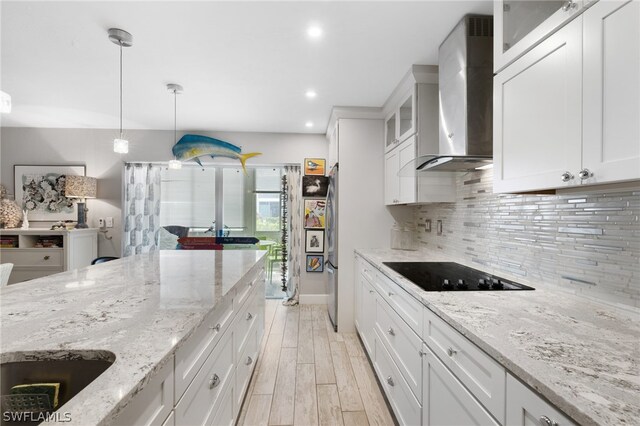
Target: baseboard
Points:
(313, 299)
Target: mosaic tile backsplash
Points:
(586, 243)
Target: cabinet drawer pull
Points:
(215, 327)
(422, 353)
(566, 176)
(390, 381)
(370, 291)
(546, 421)
(214, 381)
(570, 4)
(47, 257)
(451, 351)
(249, 316)
(585, 174)
(390, 294)
(248, 361)
(391, 332)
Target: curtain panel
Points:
(294, 206)
(141, 208)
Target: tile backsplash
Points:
(587, 243)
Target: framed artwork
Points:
(315, 263)
(314, 213)
(314, 241)
(315, 186)
(40, 191)
(315, 166)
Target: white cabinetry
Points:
(445, 400)
(207, 381)
(521, 25)
(431, 373)
(411, 131)
(566, 111)
(538, 120)
(525, 407)
(611, 87)
(79, 247)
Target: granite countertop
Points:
(140, 308)
(581, 355)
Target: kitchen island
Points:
(576, 354)
(143, 309)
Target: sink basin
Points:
(74, 371)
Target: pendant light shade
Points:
(176, 89)
(122, 39)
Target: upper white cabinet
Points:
(333, 146)
(411, 130)
(611, 84)
(566, 112)
(522, 24)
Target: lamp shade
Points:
(80, 187)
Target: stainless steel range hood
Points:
(466, 98)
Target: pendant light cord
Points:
(120, 90)
(175, 116)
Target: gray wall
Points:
(585, 242)
(94, 148)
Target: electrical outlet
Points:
(427, 225)
(439, 227)
(101, 222)
(109, 222)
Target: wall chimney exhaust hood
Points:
(466, 99)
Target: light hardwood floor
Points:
(309, 375)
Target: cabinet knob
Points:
(249, 316)
(248, 361)
(214, 381)
(566, 176)
(370, 291)
(391, 332)
(390, 381)
(422, 353)
(215, 327)
(451, 351)
(585, 174)
(390, 294)
(450, 135)
(47, 257)
(546, 421)
(570, 4)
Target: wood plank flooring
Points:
(309, 375)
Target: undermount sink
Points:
(73, 371)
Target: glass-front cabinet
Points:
(401, 123)
(522, 24)
(390, 138)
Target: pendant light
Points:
(122, 39)
(176, 89)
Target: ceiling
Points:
(245, 66)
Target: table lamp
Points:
(80, 187)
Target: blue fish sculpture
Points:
(192, 147)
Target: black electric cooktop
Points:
(450, 276)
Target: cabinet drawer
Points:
(403, 345)
(153, 404)
(409, 309)
(225, 415)
(525, 407)
(480, 373)
(244, 289)
(34, 257)
(405, 406)
(202, 398)
(446, 400)
(246, 363)
(193, 353)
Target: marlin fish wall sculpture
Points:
(192, 147)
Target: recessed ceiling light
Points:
(311, 94)
(308, 124)
(314, 31)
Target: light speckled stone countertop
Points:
(583, 356)
(140, 308)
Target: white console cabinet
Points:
(78, 248)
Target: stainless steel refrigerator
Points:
(332, 245)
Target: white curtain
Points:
(294, 245)
(141, 208)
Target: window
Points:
(188, 197)
(267, 184)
